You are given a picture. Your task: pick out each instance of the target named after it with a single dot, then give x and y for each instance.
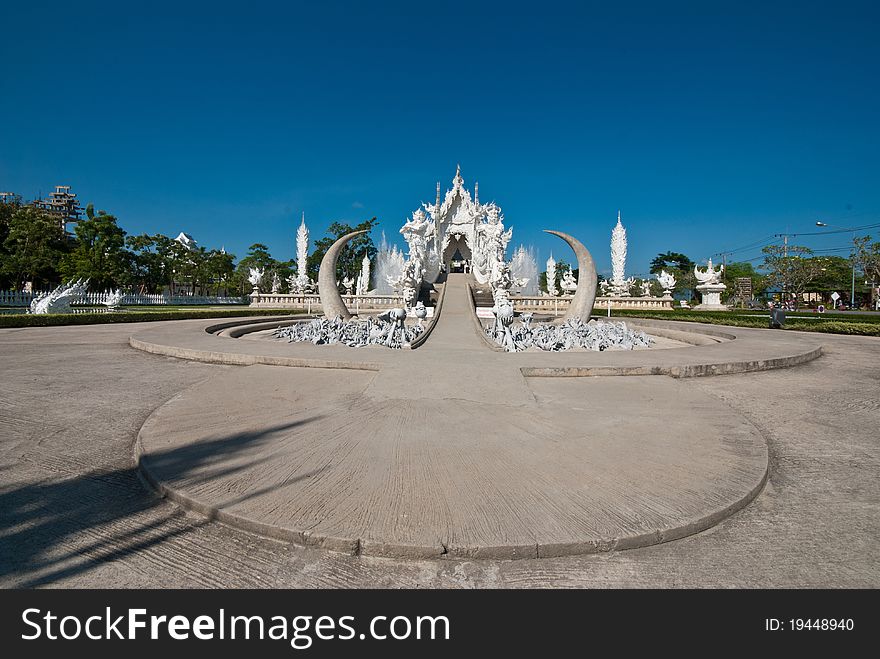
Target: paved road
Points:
(75, 514)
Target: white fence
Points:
(556, 305)
(21, 299)
(313, 302)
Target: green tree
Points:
(835, 274)
(147, 266)
(349, 262)
(98, 253)
(680, 267)
(8, 208)
(34, 246)
(791, 268)
(867, 256)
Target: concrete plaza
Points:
(257, 441)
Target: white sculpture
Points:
(421, 312)
(710, 287)
(646, 288)
(569, 335)
(255, 276)
(302, 283)
(363, 282)
(667, 281)
(59, 300)
(551, 276)
(348, 284)
(114, 299)
(569, 282)
(620, 285)
(458, 224)
(710, 275)
(388, 329)
(276, 283)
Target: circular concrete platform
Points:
(357, 461)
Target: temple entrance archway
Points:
(456, 251)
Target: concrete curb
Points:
(687, 371)
(238, 359)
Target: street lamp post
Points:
(852, 290)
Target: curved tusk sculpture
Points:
(331, 300)
(585, 295)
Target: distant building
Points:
(186, 240)
(61, 203)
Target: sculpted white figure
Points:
(114, 299)
(551, 277)
(255, 276)
(569, 282)
(710, 275)
(710, 287)
(59, 300)
(276, 282)
(348, 284)
(363, 282)
(646, 288)
(667, 281)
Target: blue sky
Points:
(710, 125)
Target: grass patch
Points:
(53, 320)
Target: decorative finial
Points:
(458, 181)
(303, 223)
(618, 216)
(477, 193)
(437, 205)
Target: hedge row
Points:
(838, 324)
(51, 320)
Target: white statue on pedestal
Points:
(276, 283)
(710, 287)
(646, 288)
(255, 276)
(569, 282)
(667, 281)
(348, 283)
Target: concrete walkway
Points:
(75, 513)
(450, 451)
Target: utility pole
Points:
(784, 237)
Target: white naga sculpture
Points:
(301, 283)
(59, 300)
(710, 287)
(571, 334)
(551, 276)
(620, 285)
(456, 225)
(114, 299)
(348, 284)
(569, 282)
(667, 281)
(255, 276)
(363, 281)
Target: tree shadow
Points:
(59, 529)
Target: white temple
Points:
(455, 232)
